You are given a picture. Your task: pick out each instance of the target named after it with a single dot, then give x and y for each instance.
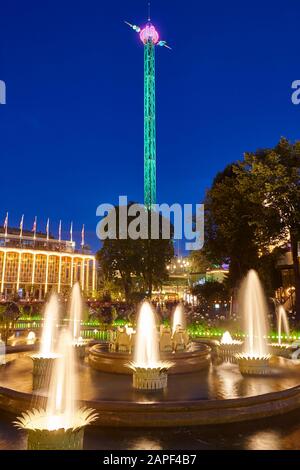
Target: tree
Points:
(211, 290)
(229, 233)
(119, 260)
(156, 255)
(268, 271)
(198, 262)
(8, 316)
(137, 264)
(270, 178)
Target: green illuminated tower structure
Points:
(150, 38)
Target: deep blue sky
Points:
(72, 129)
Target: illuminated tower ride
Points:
(150, 38)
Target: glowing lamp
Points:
(149, 33)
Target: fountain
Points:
(255, 358)
(149, 372)
(199, 392)
(44, 360)
(114, 356)
(31, 338)
(178, 318)
(226, 338)
(229, 347)
(180, 337)
(282, 320)
(60, 425)
(280, 348)
(76, 308)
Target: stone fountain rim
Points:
(39, 356)
(246, 357)
(101, 359)
(172, 413)
(200, 348)
(164, 404)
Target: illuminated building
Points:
(31, 266)
(182, 278)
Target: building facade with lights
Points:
(31, 266)
(182, 278)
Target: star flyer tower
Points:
(150, 38)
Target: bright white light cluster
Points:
(39, 420)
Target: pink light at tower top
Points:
(149, 33)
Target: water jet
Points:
(149, 372)
(280, 348)
(2, 352)
(44, 360)
(178, 318)
(254, 360)
(61, 425)
(76, 308)
(228, 347)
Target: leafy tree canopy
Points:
(138, 265)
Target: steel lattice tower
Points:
(150, 38)
(149, 125)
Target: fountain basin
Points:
(216, 395)
(194, 359)
(251, 365)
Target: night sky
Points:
(72, 128)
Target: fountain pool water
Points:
(61, 424)
(255, 358)
(149, 372)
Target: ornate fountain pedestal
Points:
(149, 378)
(228, 352)
(59, 439)
(283, 349)
(42, 436)
(80, 350)
(253, 365)
(42, 367)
